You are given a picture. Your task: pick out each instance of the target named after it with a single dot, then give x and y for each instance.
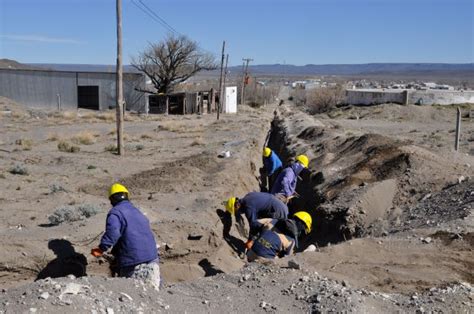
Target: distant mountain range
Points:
(465, 69)
(359, 69)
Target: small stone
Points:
(124, 296)
(263, 304)
(461, 179)
(44, 296)
(293, 264)
(71, 276)
(311, 248)
(205, 302)
(427, 240)
(33, 310)
(110, 310)
(427, 196)
(304, 279)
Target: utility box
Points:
(230, 104)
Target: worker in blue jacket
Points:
(285, 183)
(272, 166)
(128, 231)
(279, 237)
(255, 206)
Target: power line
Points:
(160, 18)
(145, 9)
(153, 15)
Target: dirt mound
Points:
(359, 184)
(253, 289)
(174, 177)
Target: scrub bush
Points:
(73, 213)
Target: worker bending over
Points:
(272, 166)
(255, 206)
(285, 183)
(128, 231)
(278, 238)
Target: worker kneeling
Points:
(279, 237)
(128, 231)
(255, 206)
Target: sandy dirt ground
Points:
(390, 199)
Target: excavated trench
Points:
(328, 227)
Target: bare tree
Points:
(324, 99)
(173, 61)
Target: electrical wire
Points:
(153, 15)
(145, 9)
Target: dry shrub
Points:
(53, 137)
(73, 213)
(87, 116)
(145, 137)
(84, 137)
(298, 96)
(257, 96)
(106, 116)
(136, 147)
(198, 141)
(67, 115)
(111, 148)
(324, 99)
(17, 115)
(171, 126)
(26, 144)
(19, 169)
(64, 146)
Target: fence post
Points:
(59, 101)
(458, 129)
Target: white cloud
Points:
(41, 39)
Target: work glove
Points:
(249, 244)
(97, 252)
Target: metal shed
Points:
(52, 89)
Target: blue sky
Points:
(269, 31)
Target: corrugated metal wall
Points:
(40, 88)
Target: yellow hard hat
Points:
(267, 152)
(230, 205)
(306, 218)
(303, 159)
(117, 188)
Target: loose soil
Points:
(390, 199)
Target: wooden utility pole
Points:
(225, 77)
(220, 81)
(119, 87)
(458, 129)
(244, 79)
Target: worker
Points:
(128, 233)
(278, 238)
(285, 183)
(255, 206)
(272, 166)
